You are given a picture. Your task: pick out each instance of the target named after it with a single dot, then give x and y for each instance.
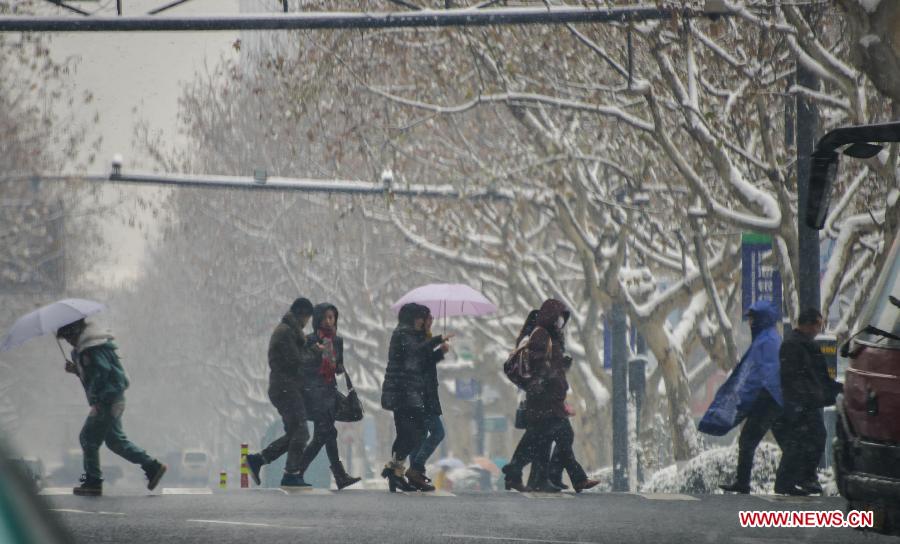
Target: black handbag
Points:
(348, 407)
(520, 415)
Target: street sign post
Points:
(759, 279)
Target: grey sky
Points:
(139, 76)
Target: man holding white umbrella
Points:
(97, 365)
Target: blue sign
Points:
(466, 389)
(758, 281)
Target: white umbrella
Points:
(48, 319)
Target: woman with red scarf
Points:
(322, 362)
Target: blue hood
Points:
(765, 315)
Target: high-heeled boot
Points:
(393, 471)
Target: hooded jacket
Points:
(545, 395)
(285, 351)
(404, 379)
(319, 396)
(757, 370)
(99, 367)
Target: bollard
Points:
(223, 480)
(245, 470)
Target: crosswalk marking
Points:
(74, 511)
(667, 497)
(186, 491)
(537, 495)
(305, 491)
(55, 491)
(789, 499)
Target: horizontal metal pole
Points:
(337, 20)
(332, 186)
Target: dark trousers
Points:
(324, 434)
(293, 412)
(803, 446)
(765, 414)
(532, 447)
(562, 435)
(410, 425)
(106, 426)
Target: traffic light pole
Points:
(808, 238)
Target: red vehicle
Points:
(867, 433)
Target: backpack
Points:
(518, 365)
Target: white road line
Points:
(248, 524)
(534, 495)
(186, 491)
(511, 539)
(306, 491)
(55, 491)
(435, 493)
(73, 511)
(667, 497)
(790, 499)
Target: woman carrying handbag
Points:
(322, 362)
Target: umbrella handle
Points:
(61, 350)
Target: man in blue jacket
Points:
(96, 363)
(751, 392)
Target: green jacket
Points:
(101, 373)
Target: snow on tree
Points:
(624, 161)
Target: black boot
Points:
(812, 486)
(154, 471)
(793, 490)
(255, 462)
(513, 480)
(341, 478)
(418, 480)
(90, 487)
(558, 483)
(736, 487)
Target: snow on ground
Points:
(706, 471)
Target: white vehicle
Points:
(195, 466)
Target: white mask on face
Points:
(560, 322)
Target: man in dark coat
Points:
(806, 387)
(286, 393)
(96, 362)
(403, 392)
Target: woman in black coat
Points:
(319, 367)
(403, 393)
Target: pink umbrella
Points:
(448, 300)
